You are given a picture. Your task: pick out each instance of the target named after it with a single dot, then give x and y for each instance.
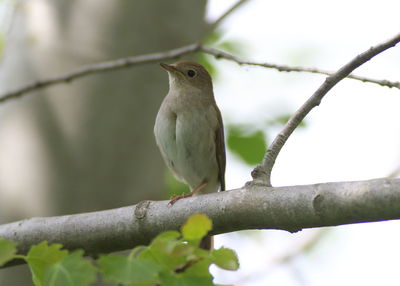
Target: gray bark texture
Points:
(87, 145)
(251, 207)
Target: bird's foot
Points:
(176, 198)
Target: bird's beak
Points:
(169, 68)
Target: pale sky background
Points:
(353, 135)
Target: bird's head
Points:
(188, 76)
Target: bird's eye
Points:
(191, 73)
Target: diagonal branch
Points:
(212, 26)
(156, 57)
(262, 173)
(288, 208)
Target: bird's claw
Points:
(176, 198)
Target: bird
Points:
(189, 131)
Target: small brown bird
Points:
(189, 130)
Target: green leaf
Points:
(165, 241)
(182, 279)
(72, 270)
(128, 270)
(138, 250)
(196, 227)
(184, 250)
(225, 258)
(200, 268)
(249, 147)
(166, 250)
(42, 256)
(8, 249)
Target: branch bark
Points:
(252, 207)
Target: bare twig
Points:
(100, 67)
(228, 12)
(167, 55)
(262, 173)
(289, 208)
(285, 68)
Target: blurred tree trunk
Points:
(89, 144)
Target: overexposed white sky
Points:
(353, 135)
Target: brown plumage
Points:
(189, 130)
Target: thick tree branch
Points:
(262, 173)
(162, 56)
(251, 207)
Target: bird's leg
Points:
(178, 197)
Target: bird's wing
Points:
(220, 149)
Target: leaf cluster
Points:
(172, 258)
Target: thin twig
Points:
(285, 68)
(100, 67)
(212, 26)
(167, 55)
(262, 173)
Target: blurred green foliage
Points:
(249, 146)
(172, 258)
(8, 249)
